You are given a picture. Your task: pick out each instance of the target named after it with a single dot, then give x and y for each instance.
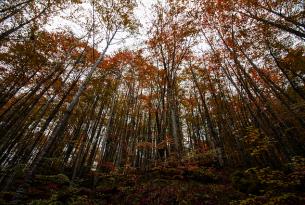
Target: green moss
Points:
(80, 200)
(51, 201)
(106, 184)
(170, 173)
(250, 201)
(57, 179)
(201, 175)
(62, 197)
(284, 199)
(160, 182)
(246, 183)
(188, 183)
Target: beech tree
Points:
(171, 41)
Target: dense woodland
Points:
(208, 109)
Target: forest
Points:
(198, 102)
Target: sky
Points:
(142, 12)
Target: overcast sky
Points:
(142, 12)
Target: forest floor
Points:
(188, 183)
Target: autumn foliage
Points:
(213, 100)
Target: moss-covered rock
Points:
(246, 183)
(188, 183)
(60, 179)
(106, 184)
(201, 175)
